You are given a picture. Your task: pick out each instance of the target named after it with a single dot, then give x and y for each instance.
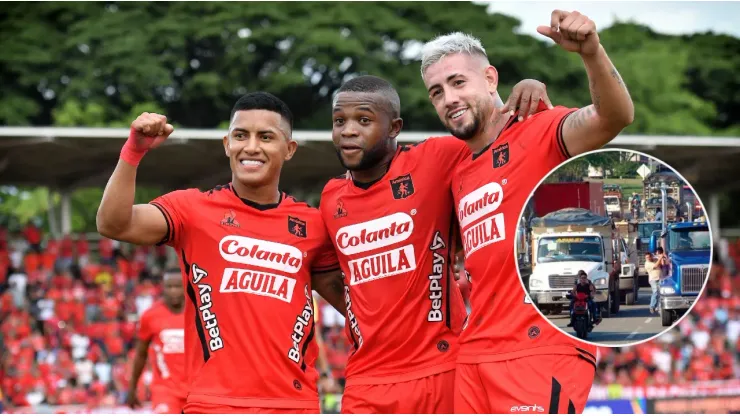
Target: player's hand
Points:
(573, 31)
(526, 96)
(132, 401)
(149, 130)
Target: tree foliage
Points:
(103, 63)
(99, 63)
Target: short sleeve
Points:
(548, 125)
(144, 330)
(326, 260)
(174, 207)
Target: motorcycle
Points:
(581, 317)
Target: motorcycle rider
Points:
(584, 285)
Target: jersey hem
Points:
(403, 377)
(276, 403)
(481, 356)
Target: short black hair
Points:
(261, 100)
(659, 250)
(373, 84)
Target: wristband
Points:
(129, 153)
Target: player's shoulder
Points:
(546, 117)
(189, 195)
(334, 188)
(292, 204)
(433, 143)
(154, 311)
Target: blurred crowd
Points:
(68, 319)
(704, 346)
(69, 308)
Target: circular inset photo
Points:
(613, 247)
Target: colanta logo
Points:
(377, 233)
(275, 256)
(479, 203)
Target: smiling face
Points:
(461, 88)
(257, 145)
(363, 129)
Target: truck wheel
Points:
(615, 301)
(629, 298)
(666, 317)
(605, 308)
(636, 289)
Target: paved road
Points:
(631, 324)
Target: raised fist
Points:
(573, 31)
(149, 130)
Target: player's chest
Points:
(400, 209)
(171, 336)
(230, 232)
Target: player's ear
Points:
(226, 145)
(491, 78)
(396, 126)
(292, 147)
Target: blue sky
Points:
(670, 17)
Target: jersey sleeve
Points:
(174, 207)
(326, 260)
(549, 131)
(144, 331)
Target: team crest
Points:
(402, 186)
(230, 220)
(297, 227)
(501, 155)
(340, 211)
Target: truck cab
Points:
(687, 245)
(557, 258)
(613, 206)
(644, 233)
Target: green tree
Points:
(99, 63)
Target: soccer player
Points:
(163, 328)
(392, 223)
(511, 359)
(250, 256)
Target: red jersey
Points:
(490, 189)
(249, 308)
(166, 332)
(394, 242)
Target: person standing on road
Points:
(653, 266)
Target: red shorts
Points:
(203, 408)
(433, 394)
(166, 402)
(534, 384)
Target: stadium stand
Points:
(68, 313)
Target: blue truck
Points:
(687, 245)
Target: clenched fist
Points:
(150, 130)
(573, 31)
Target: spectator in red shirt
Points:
(33, 236)
(66, 253)
(105, 249)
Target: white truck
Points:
(560, 249)
(613, 206)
